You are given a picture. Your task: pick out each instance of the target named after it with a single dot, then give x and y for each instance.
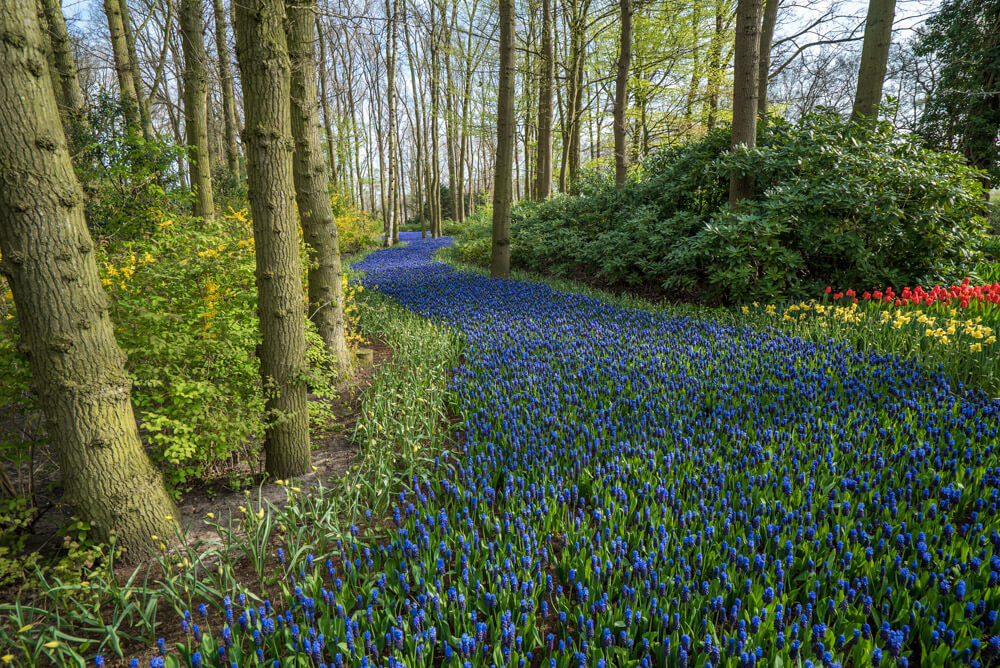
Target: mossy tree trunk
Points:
(226, 80)
(69, 95)
(621, 92)
(502, 186)
(142, 102)
(78, 370)
(262, 53)
(874, 58)
(123, 65)
(745, 72)
(326, 294)
(543, 185)
(196, 108)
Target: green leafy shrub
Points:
(835, 203)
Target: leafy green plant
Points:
(835, 203)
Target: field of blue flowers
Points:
(638, 489)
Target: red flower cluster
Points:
(963, 295)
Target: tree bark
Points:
(747, 61)
(196, 108)
(391, 8)
(621, 92)
(326, 294)
(228, 97)
(543, 186)
(77, 368)
(764, 68)
(325, 104)
(435, 189)
(262, 54)
(133, 58)
(123, 65)
(715, 66)
(67, 84)
(500, 254)
(874, 56)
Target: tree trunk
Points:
(326, 294)
(78, 370)
(133, 58)
(435, 190)
(766, 37)
(543, 186)
(264, 68)
(391, 8)
(123, 65)
(325, 104)
(747, 50)
(228, 98)
(874, 56)
(67, 84)
(715, 66)
(621, 92)
(196, 108)
(418, 104)
(500, 255)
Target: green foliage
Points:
(962, 109)
(835, 203)
(126, 179)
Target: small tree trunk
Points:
(715, 66)
(500, 256)
(874, 56)
(621, 92)
(747, 50)
(766, 37)
(543, 186)
(196, 108)
(123, 65)
(326, 293)
(78, 370)
(228, 98)
(263, 60)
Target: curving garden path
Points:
(641, 489)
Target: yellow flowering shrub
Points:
(184, 305)
(356, 229)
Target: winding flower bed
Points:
(635, 489)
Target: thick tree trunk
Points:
(747, 50)
(326, 294)
(228, 97)
(196, 108)
(133, 58)
(263, 60)
(123, 65)
(78, 370)
(764, 67)
(67, 84)
(874, 56)
(621, 92)
(543, 186)
(500, 255)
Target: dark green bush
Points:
(835, 203)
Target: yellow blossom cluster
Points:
(969, 335)
(123, 272)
